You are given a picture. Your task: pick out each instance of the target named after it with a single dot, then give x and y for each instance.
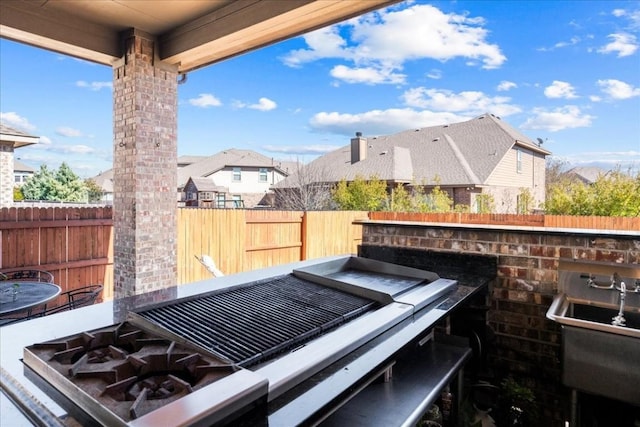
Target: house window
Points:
(263, 175)
(220, 200)
(17, 178)
(237, 201)
(237, 174)
(518, 161)
(206, 195)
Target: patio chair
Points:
(75, 298)
(208, 263)
(27, 276)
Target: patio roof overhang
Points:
(189, 33)
(15, 138)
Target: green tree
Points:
(436, 200)
(613, 194)
(62, 185)
(401, 199)
(525, 201)
(360, 194)
(94, 191)
(485, 203)
(17, 194)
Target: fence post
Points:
(303, 236)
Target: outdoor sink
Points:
(598, 357)
(593, 315)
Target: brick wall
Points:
(145, 180)
(526, 344)
(6, 176)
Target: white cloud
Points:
(205, 100)
(94, 86)
(16, 121)
(623, 44)
(44, 141)
(506, 85)
(381, 122)
(72, 149)
(69, 132)
(572, 41)
(559, 89)
(616, 89)
(366, 75)
(435, 74)
(469, 103)
(566, 117)
(633, 16)
(384, 41)
(314, 149)
(264, 104)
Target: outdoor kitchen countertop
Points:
(13, 338)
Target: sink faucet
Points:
(592, 283)
(619, 320)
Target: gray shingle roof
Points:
(18, 166)
(227, 158)
(105, 180)
(16, 137)
(464, 153)
(207, 184)
(587, 174)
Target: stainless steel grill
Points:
(254, 323)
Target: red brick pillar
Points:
(145, 169)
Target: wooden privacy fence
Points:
(76, 244)
(548, 221)
(243, 240)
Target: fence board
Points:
(332, 233)
(76, 244)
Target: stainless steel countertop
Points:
(14, 337)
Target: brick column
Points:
(145, 169)
(7, 181)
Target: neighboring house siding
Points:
(539, 180)
(250, 182)
(506, 173)
(506, 183)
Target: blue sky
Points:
(567, 72)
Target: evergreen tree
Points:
(62, 185)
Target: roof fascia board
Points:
(247, 25)
(59, 32)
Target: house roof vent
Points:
(358, 134)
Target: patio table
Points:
(25, 295)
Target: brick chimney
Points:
(358, 148)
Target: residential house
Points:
(10, 139)
(236, 178)
(105, 179)
(21, 172)
(204, 193)
(586, 174)
(481, 156)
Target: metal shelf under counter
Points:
(415, 385)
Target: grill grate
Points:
(255, 322)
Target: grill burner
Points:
(256, 322)
(128, 370)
